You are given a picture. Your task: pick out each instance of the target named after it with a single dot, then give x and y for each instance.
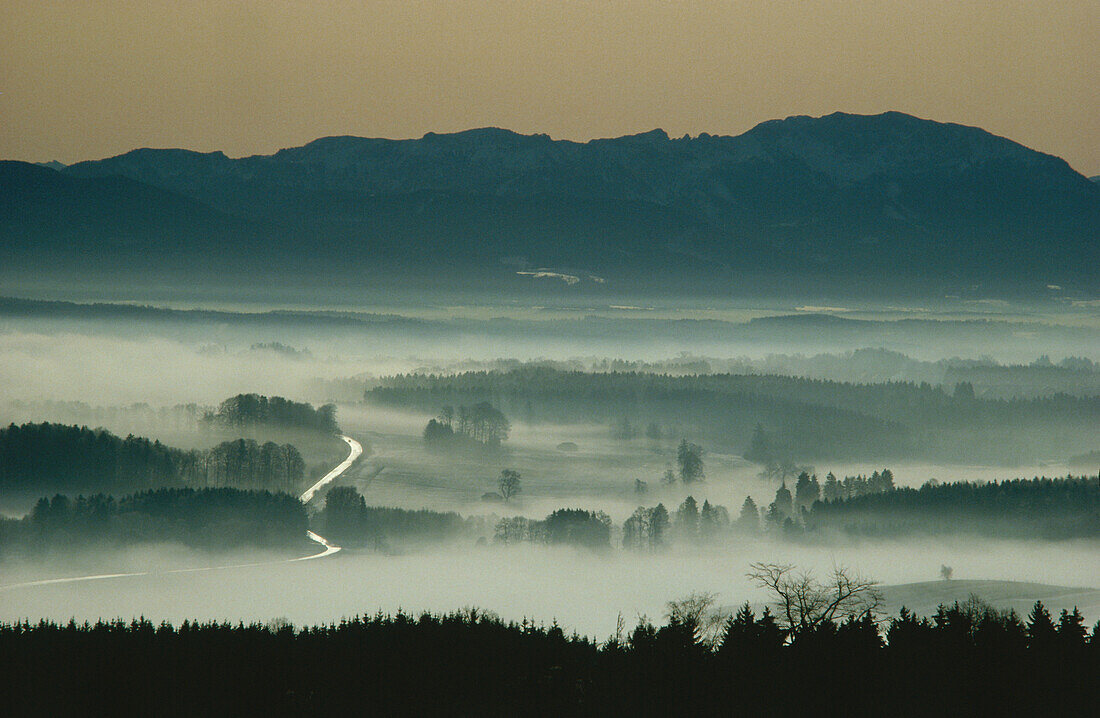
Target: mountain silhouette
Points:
(49, 216)
(842, 196)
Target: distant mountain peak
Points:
(480, 133)
(654, 135)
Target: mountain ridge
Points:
(837, 195)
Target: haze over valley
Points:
(795, 406)
(597, 401)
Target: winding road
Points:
(356, 450)
(305, 498)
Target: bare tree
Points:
(802, 602)
(618, 638)
(782, 469)
(279, 624)
(700, 612)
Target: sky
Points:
(84, 80)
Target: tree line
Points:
(237, 413)
(207, 518)
(652, 528)
(679, 404)
(248, 410)
(1072, 375)
(805, 419)
(480, 425)
(967, 659)
(244, 462)
(1039, 508)
(815, 511)
(347, 520)
(571, 527)
(1046, 508)
(39, 458)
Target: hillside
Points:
(923, 598)
(47, 215)
(840, 196)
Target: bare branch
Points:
(699, 611)
(803, 603)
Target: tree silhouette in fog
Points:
(480, 425)
(689, 456)
(509, 484)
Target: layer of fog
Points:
(542, 300)
(599, 474)
(164, 361)
(580, 590)
(112, 371)
(75, 561)
(115, 365)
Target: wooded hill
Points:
(806, 419)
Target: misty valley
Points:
(579, 485)
(474, 421)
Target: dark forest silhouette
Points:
(967, 658)
(42, 458)
(245, 410)
(205, 518)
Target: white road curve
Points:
(356, 452)
(305, 498)
(329, 548)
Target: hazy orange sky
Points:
(87, 79)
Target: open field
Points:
(599, 474)
(923, 597)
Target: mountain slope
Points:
(841, 196)
(46, 214)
